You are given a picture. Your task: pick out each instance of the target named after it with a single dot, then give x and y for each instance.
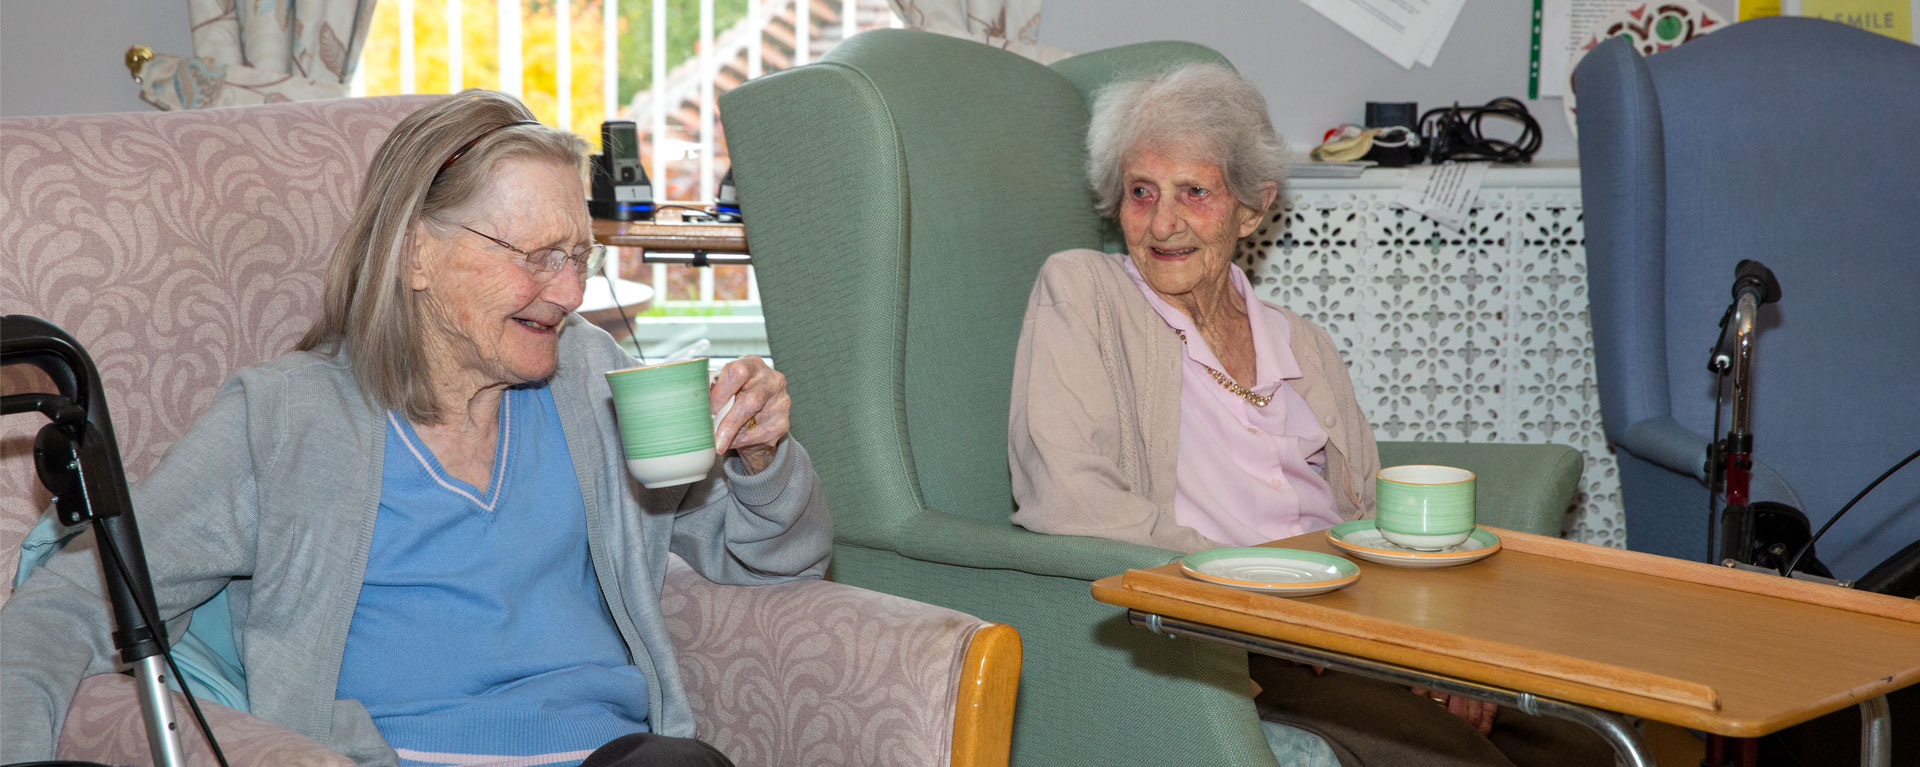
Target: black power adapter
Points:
(1397, 144)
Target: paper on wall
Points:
(1565, 26)
(1439, 37)
(1443, 193)
(1893, 18)
(1755, 9)
(1405, 31)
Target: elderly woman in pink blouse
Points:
(1158, 400)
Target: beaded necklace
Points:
(1228, 383)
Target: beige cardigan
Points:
(1095, 425)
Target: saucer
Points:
(1361, 539)
(1287, 572)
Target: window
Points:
(660, 63)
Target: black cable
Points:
(1454, 133)
(1843, 510)
(1716, 458)
(1715, 461)
(1720, 366)
(701, 211)
(112, 549)
(631, 331)
(613, 284)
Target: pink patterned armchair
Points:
(179, 247)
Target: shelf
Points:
(674, 242)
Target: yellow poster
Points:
(1893, 18)
(1753, 9)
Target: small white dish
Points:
(1361, 539)
(1286, 572)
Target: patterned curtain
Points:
(260, 52)
(1012, 25)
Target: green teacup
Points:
(1426, 508)
(666, 421)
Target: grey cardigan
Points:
(272, 494)
(1093, 435)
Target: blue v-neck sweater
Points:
(524, 658)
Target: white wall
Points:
(62, 57)
(1316, 75)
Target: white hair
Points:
(1203, 112)
(367, 311)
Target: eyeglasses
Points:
(546, 262)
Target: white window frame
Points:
(715, 47)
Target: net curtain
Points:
(261, 52)
(1012, 25)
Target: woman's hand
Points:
(1478, 713)
(758, 420)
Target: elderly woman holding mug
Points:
(1157, 400)
(422, 516)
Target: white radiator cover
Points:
(1480, 335)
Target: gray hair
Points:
(1204, 112)
(368, 312)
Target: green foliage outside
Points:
(683, 36)
(480, 67)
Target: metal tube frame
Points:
(77, 459)
(1626, 743)
(696, 258)
(1876, 733)
(1744, 313)
(156, 711)
(1876, 729)
(1737, 451)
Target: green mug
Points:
(1425, 508)
(666, 421)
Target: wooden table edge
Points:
(672, 237)
(1865, 602)
(1110, 590)
(1170, 582)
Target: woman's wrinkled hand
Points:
(1478, 713)
(759, 418)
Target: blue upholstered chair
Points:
(1793, 142)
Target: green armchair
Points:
(900, 196)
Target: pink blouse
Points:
(1246, 474)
